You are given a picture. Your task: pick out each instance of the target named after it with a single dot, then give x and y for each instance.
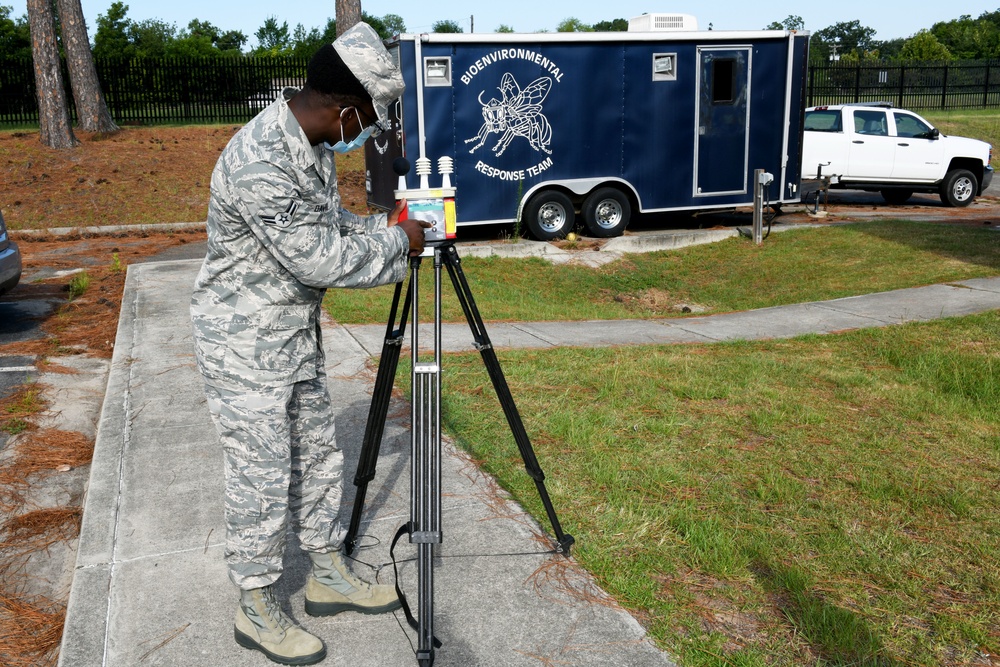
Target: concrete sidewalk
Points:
(150, 585)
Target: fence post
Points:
(857, 82)
(944, 88)
(902, 84)
(986, 86)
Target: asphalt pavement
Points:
(150, 586)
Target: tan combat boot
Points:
(332, 588)
(262, 625)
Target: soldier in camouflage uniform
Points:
(277, 238)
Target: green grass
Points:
(791, 267)
(828, 500)
(78, 284)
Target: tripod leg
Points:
(425, 475)
(426, 499)
(378, 410)
(485, 347)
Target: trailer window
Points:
(437, 71)
(664, 67)
(723, 81)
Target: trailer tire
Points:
(550, 215)
(606, 212)
(959, 187)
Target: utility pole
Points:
(472, 24)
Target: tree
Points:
(849, 36)
(791, 22)
(272, 39)
(112, 37)
(91, 110)
(573, 25)
(348, 15)
(968, 38)
(54, 126)
(394, 24)
(15, 35)
(377, 25)
(924, 46)
(614, 25)
(503, 27)
(231, 41)
(152, 38)
(446, 26)
(890, 48)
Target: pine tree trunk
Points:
(91, 109)
(348, 14)
(53, 112)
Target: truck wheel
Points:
(896, 196)
(606, 212)
(959, 187)
(549, 215)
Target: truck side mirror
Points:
(934, 134)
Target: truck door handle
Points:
(857, 141)
(904, 144)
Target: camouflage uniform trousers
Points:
(281, 462)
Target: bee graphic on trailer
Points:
(518, 114)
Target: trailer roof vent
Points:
(662, 22)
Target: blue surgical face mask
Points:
(358, 141)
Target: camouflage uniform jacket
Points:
(277, 238)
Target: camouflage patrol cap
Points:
(362, 51)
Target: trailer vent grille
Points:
(662, 23)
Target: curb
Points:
(113, 230)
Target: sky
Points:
(531, 16)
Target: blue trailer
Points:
(552, 128)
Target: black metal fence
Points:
(234, 89)
(148, 91)
(943, 85)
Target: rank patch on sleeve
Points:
(284, 218)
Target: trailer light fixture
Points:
(664, 67)
(437, 71)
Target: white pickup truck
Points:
(878, 148)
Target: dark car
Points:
(10, 260)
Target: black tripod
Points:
(425, 476)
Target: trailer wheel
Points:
(550, 215)
(606, 212)
(959, 187)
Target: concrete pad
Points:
(666, 240)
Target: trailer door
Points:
(723, 119)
